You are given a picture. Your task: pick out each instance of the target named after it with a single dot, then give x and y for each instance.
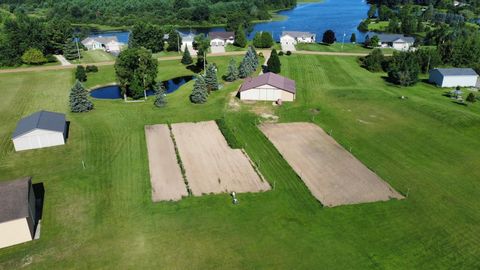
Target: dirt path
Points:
(333, 175)
(266, 54)
(165, 175)
(211, 165)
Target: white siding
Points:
(462, 81)
(266, 93)
(14, 232)
(452, 81)
(287, 40)
(38, 139)
(217, 42)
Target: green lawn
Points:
(337, 47)
(102, 216)
(380, 26)
(95, 56)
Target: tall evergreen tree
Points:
(211, 78)
(160, 95)
(199, 93)
(186, 58)
(70, 51)
(353, 38)
(174, 41)
(252, 54)
(245, 68)
(232, 71)
(81, 74)
(273, 63)
(79, 98)
(240, 37)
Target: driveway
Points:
(217, 49)
(62, 60)
(288, 47)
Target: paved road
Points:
(217, 49)
(62, 60)
(266, 53)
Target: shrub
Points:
(471, 98)
(289, 53)
(280, 53)
(91, 68)
(329, 37)
(373, 61)
(80, 74)
(33, 56)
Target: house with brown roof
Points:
(221, 38)
(268, 87)
(17, 212)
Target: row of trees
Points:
(24, 39)
(204, 85)
(152, 37)
(403, 68)
(249, 65)
(160, 12)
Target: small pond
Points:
(113, 91)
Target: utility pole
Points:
(78, 50)
(204, 63)
(343, 40)
(178, 43)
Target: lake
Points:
(341, 16)
(113, 91)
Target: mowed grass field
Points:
(102, 216)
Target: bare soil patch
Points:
(211, 165)
(333, 175)
(165, 175)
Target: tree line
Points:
(128, 12)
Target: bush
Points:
(471, 98)
(289, 53)
(51, 58)
(280, 53)
(33, 56)
(329, 37)
(80, 74)
(91, 68)
(373, 61)
(260, 54)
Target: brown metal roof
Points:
(14, 199)
(271, 79)
(221, 35)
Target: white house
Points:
(395, 41)
(187, 42)
(108, 44)
(221, 38)
(452, 77)
(17, 212)
(294, 37)
(268, 87)
(39, 130)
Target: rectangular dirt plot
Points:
(165, 174)
(211, 165)
(333, 175)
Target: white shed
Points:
(268, 87)
(452, 77)
(18, 215)
(39, 130)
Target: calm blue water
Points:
(122, 36)
(113, 91)
(341, 16)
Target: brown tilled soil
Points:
(211, 165)
(333, 175)
(165, 175)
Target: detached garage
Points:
(452, 77)
(17, 212)
(268, 87)
(39, 130)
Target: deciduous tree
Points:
(329, 37)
